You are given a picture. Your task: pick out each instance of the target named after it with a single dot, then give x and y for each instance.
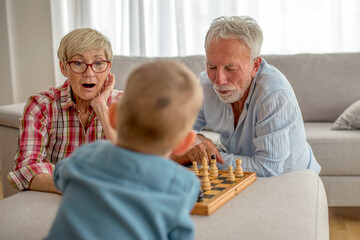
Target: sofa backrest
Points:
(325, 84)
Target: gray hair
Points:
(243, 28)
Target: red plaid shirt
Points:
(51, 130)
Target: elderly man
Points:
(250, 104)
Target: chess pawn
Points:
(195, 168)
(238, 170)
(213, 169)
(231, 176)
(205, 181)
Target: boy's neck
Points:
(141, 150)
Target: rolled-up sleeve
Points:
(30, 157)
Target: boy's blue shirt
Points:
(113, 193)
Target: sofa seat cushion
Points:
(288, 206)
(335, 150)
(10, 114)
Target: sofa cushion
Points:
(324, 84)
(288, 206)
(336, 151)
(309, 74)
(349, 119)
(263, 211)
(10, 114)
(123, 65)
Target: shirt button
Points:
(230, 117)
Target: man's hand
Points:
(203, 147)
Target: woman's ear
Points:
(185, 144)
(109, 68)
(112, 114)
(63, 68)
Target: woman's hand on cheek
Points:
(105, 91)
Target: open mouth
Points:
(88, 85)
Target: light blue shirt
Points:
(270, 135)
(113, 193)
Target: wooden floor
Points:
(344, 222)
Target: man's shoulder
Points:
(270, 79)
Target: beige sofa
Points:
(325, 85)
(290, 206)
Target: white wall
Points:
(27, 65)
(6, 89)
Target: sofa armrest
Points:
(9, 132)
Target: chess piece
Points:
(195, 168)
(201, 196)
(231, 176)
(238, 170)
(205, 181)
(213, 169)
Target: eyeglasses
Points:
(81, 67)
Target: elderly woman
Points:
(56, 122)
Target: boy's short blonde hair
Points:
(83, 39)
(158, 108)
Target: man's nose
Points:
(220, 77)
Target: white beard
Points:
(231, 97)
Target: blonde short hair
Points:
(83, 39)
(243, 28)
(158, 108)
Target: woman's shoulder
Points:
(53, 93)
(46, 99)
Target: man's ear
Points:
(63, 68)
(256, 66)
(185, 144)
(112, 114)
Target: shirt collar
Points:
(65, 95)
(252, 86)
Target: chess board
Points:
(221, 191)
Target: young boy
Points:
(132, 190)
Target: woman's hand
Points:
(99, 104)
(203, 147)
(105, 92)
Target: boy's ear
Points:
(112, 114)
(185, 144)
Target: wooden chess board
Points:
(221, 191)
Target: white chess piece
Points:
(238, 170)
(205, 181)
(231, 176)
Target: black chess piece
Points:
(213, 156)
(201, 196)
